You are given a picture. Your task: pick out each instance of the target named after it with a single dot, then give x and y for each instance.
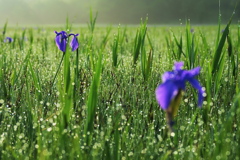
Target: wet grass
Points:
(102, 103)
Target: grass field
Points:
(102, 103)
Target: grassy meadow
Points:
(102, 103)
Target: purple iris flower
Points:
(61, 40)
(74, 42)
(8, 39)
(174, 83)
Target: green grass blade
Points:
(31, 36)
(115, 47)
(68, 91)
(218, 53)
(231, 55)
(5, 29)
(179, 45)
(92, 23)
(92, 99)
(139, 41)
(36, 82)
(105, 39)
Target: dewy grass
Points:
(92, 100)
(139, 41)
(115, 50)
(111, 112)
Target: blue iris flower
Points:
(62, 38)
(74, 42)
(8, 39)
(174, 83)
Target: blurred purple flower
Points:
(74, 42)
(8, 39)
(174, 83)
(62, 39)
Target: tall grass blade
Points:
(231, 56)
(105, 39)
(170, 47)
(68, 91)
(92, 23)
(190, 50)
(146, 61)
(218, 53)
(204, 41)
(115, 50)
(139, 41)
(21, 40)
(180, 47)
(5, 29)
(36, 82)
(92, 99)
(31, 36)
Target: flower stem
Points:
(170, 122)
(58, 69)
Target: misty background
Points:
(39, 12)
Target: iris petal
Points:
(167, 76)
(165, 93)
(74, 43)
(58, 41)
(61, 40)
(197, 86)
(178, 65)
(63, 44)
(191, 73)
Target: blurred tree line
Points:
(117, 11)
(168, 11)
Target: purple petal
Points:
(61, 40)
(197, 86)
(193, 72)
(74, 43)
(63, 45)
(178, 65)
(167, 76)
(58, 41)
(190, 74)
(165, 93)
(57, 38)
